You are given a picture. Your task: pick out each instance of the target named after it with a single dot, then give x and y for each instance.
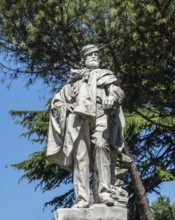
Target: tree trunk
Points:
(142, 200)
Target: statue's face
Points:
(92, 61)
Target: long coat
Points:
(64, 126)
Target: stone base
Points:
(95, 212)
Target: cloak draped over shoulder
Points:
(64, 126)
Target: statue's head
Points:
(89, 54)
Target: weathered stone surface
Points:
(86, 135)
(95, 212)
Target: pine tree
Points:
(163, 209)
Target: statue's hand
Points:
(108, 102)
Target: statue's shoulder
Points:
(104, 72)
(75, 75)
(105, 76)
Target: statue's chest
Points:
(88, 82)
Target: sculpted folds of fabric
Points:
(86, 131)
(64, 127)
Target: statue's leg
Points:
(103, 173)
(81, 168)
(101, 157)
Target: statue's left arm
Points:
(114, 97)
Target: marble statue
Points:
(86, 130)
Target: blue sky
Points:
(21, 201)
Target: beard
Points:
(92, 64)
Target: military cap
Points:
(90, 48)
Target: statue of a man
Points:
(86, 120)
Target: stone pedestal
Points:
(95, 212)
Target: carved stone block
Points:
(95, 212)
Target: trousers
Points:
(91, 152)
